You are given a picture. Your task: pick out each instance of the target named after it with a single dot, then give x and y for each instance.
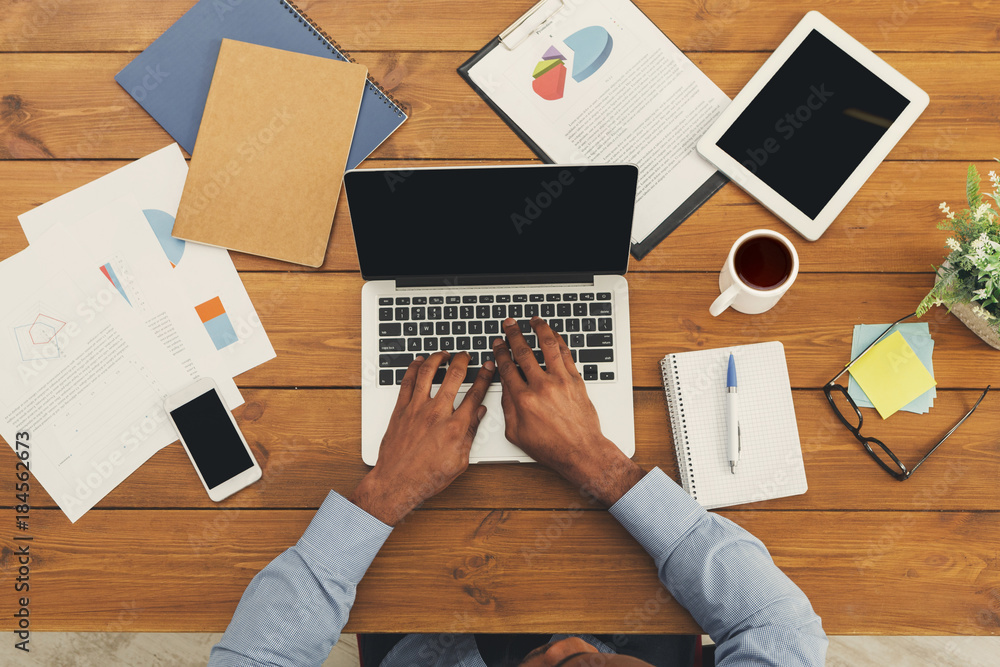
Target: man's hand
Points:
(550, 417)
(426, 445)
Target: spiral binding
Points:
(331, 44)
(675, 405)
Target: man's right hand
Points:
(549, 415)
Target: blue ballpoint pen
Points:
(733, 416)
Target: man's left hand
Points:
(427, 443)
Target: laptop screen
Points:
(492, 221)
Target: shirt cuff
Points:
(657, 513)
(343, 537)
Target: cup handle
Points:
(724, 300)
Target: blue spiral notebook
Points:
(171, 78)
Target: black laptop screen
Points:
(492, 221)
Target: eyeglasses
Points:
(882, 454)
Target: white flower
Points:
(946, 210)
(983, 210)
(979, 247)
(980, 294)
(953, 244)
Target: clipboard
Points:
(536, 19)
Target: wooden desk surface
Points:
(513, 548)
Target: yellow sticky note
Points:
(892, 375)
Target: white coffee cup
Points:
(746, 297)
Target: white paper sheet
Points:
(642, 102)
(83, 375)
(204, 272)
(135, 265)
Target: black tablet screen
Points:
(807, 130)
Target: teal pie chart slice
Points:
(163, 224)
(591, 47)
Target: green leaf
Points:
(972, 188)
(925, 304)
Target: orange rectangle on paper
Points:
(210, 309)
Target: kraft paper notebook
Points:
(170, 79)
(771, 456)
(266, 172)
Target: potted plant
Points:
(968, 282)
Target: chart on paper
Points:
(120, 276)
(590, 47)
(571, 67)
(37, 338)
(162, 224)
(217, 323)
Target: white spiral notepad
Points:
(771, 455)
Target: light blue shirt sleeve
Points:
(294, 609)
(723, 576)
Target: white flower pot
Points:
(978, 325)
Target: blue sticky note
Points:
(917, 335)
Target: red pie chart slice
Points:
(549, 86)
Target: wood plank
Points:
(890, 225)
(308, 441)
(487, 571)
(312, 321)
(69, 106)
(377, 25)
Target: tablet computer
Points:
(812, 125)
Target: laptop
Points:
(448, 253)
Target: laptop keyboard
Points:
(421, 325)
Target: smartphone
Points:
(212, 439)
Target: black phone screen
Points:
(210, 436)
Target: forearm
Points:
(294, 609)
(724, 577)
(600, 470)
(386, 502)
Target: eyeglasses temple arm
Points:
(865, 351)
(953, 429)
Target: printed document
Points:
(599, 83)
(205, 276)
(136, 267)
(85, 377)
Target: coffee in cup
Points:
(760, 268)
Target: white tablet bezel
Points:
(812, 228)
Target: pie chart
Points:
(590, 47)
(163, 224)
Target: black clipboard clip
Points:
(530, 22)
